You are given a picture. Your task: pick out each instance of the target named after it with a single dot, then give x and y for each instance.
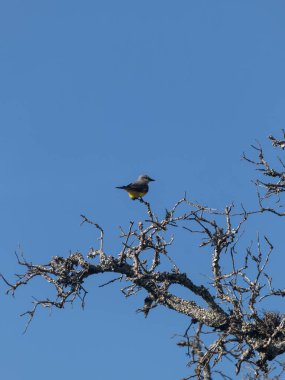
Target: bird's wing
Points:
(135, 186)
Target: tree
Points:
(227, 318)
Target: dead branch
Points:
(232, 323)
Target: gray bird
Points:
(137, 189)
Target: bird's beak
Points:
(150, 179)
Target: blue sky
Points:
(94, 93)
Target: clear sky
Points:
(92, 94)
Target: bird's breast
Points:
(136, 194)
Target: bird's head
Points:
(145, 178)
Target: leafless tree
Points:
(227, 320)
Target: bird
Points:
(137, 189)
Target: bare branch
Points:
(226, 313)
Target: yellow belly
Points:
(135, 194)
